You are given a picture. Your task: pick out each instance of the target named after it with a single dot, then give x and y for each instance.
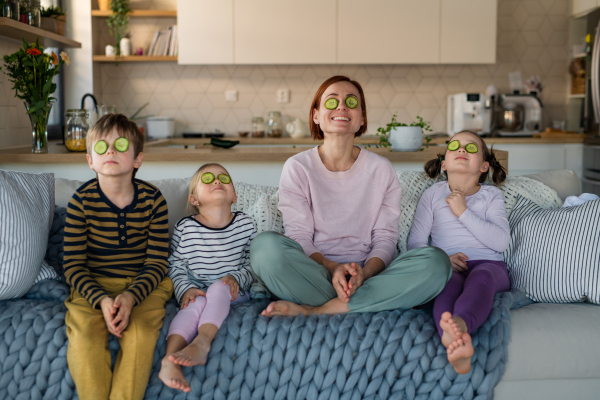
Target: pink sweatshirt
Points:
(347, 216)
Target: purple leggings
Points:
(470, 294)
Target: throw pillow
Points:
(554, 255)
(26, 212)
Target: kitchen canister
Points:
(125, 47)
(160, 127)
(76, 129)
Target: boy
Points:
(115, 257)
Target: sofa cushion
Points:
(554, 255)
(564, 181)
(26, 212)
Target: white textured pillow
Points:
(554, 255)
(26, 213)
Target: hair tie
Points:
(441, 159)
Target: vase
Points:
(39, 129)
(406, 138)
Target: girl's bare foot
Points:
(453, 328)
(285, 308)
(460, 353)
(193, 354)
(170, 374)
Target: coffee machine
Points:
(518, 115)
(469, 111)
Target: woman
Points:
(341, 208)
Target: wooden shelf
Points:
(135, 59)
(139, 13)
(580, 55)
(18, 31)
(577, 96)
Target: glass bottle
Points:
(76, 129)
(11, 9)
(258, 127)
(31, 12)
(274, 125)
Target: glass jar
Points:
(76, 129)
(31, 13)
(274, 124)
(11, 9)
(258, 127)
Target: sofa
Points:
(550, 351)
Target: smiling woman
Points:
(341, 209)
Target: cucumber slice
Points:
(100, 147)
(331, 104)
(351, 102)
(207, 177)
(453, 145)
(471, 148)
(121, 144)
(224, 178)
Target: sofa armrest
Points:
(564, 181)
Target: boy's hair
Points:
(125, 127)
(433, 168)
(196, 179)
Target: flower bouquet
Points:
(32, 71)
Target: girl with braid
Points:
(468, 221)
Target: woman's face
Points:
(341, 119)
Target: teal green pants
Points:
(413, 278)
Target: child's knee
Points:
(219, 289)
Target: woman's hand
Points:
(190, 296)
(340, 282)
(233, 285)
(459, 262)
(457, 202)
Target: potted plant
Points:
(118, 21)
(398, 136)
(53, 19)
(31, 71)
(104, 5)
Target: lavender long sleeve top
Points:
(481, 233)
(348, 216)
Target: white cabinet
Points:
(468, 31)
(205, 29)
(582, 7)
(388, 31)
(285, 31)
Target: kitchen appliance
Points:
(160, 127)
(518, 115)
(469, 111)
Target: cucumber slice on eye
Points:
(331, 104)
(471, 148)
(351, 102)
(453, 145)
(224, 178)
(121, 144)
(100, 147)
(207, 177)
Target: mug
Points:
(109, 50)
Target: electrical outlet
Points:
(283, 95)
(231, 95)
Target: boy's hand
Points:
(457, 202)
(108, 311)
(339, 279)
(190, 296)
(124, 304)
(233, 285)
(459, 262)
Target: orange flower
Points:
(34, 52)
(54, 58)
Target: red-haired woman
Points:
(341, 208)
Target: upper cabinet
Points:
(388, 31)
(285, 32)
(468, 32)
(582, 7)
(205, 30)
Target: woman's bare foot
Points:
(453, 328)
(193, 354)
(460, 353)
(285, 308)
(170, 374)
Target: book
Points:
(165, 48)
(161, 38)
(153, 43)
(173, 40)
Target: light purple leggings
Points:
(210, 309)
(470, 294)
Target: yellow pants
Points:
(88, 355)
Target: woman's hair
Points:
(433, 168)
(315, 129)
(196, 180)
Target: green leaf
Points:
(37, 106)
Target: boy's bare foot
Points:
(460, 353)
(453, 328)
(193, 354)
(170, 374)
(285, 308)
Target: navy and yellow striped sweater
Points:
(102, 240)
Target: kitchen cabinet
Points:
(285, 32)
(468, 31)
(388, 31)
(205, 29)
(582, 7)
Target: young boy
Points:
(115, 257)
